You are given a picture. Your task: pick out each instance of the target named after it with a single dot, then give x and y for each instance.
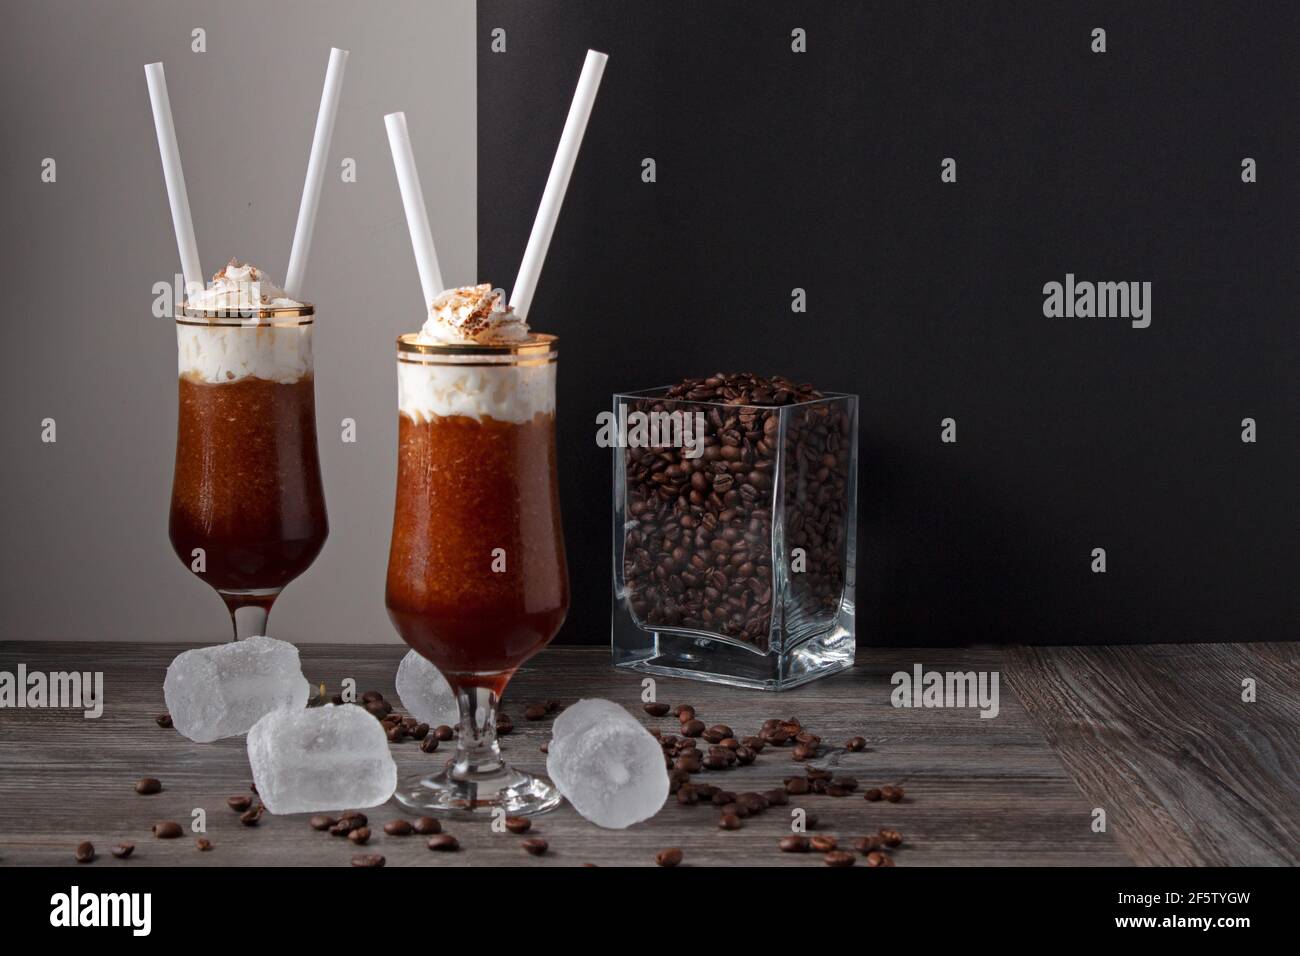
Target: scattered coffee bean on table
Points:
(429, 744)
(655, 709)
(856, 744)
(368, 860)
(535, 712)
(876, 858)
(840, 858)
(84, 853)
(891, 837)
(321, 821)
(360, 835)
(794, 844)
(122, 850)
(823, 844)
(251, 818)
(241, 802)
(167, 830)
(892, 794)
(204, 844)
(164, 721)
(443, 732)
(398, 828)
(148, 785)
(443, 842)
(872, 794)
(535, 846)
(669, 857)
(425, 826)
(729, 821)
(518, 824)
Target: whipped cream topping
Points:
(472, 315)
(217, 354)
(240, 286)
(507, 393)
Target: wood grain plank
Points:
(1160, 737)
(979, 792)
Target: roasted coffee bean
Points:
(426, 826)
(368, 859)
(398, 828)
(867, 843)
(706, 791)
(810, 821)
(777, 798)
(715, 762)
(735, 810)
(241, 802)
(848, 783)
(321, 821)
(693, 728)
(204, 844)
(813, 773)
(835, 790)
(744, 756)
(535, 712)
(856, 744)
(545, 747)
(794, 843)
(443, 732)
(535, 846)
(892, 794)
(251, 818)
(122, 850)
(504, 725)
(823, 844)
(872, 793)
(147, 785)
(756, 802)
(164, 721)
(687, 796)
(876, 858)
(723, 797)
(429, 744)
(805, 751)
(806, 738)
(396, 733)
(518, 824)
(655, 709)
(370, 696)
(684, 712)
(730, 743)
(839, 858)
(380, 708)
(797, 786)
(360, 835)
(444, 843)
(669, 857)
(420, 732)
(753, 743)
(167, 830)
(84, 853)
(729, 821)
(891, 837)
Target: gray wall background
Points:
(86, 554)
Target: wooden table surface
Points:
(1157, 736)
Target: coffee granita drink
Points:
(248, 507)
(477, 580)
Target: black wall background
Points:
(821, 170)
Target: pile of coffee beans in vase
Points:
(698, 546)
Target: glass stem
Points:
(248, 612)
(477, 751)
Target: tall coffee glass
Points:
(477, 581)
(247, 508)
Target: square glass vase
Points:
(734, 538)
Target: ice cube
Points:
(608, 766)
(221, 691)
(323, 758)
(425, 693)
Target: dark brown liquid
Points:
(247, 486)
(466, 487)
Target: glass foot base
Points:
(517, 793)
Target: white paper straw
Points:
(417, 217)
(320, 148)
(548, 213)
(174, 176)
